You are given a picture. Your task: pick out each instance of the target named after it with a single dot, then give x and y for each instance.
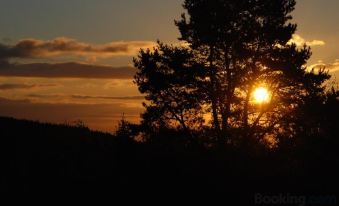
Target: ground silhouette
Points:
(56, 159)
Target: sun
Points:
(261, 95)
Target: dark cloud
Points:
(45, 95)
(24, 86)
(108, 97)
(85, 97)
(34, 48)
(66, 70)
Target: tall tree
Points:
(235, 47)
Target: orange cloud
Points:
(331, 67)
(299, 41)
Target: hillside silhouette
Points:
(49, 158)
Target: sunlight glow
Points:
(261, 95)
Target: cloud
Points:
(66, 70)
(61, 98)
(299, 41)
(331, 67)
(45, 95)
(62, 46)
(24, 86)
(108, 97)
(67, 48)
(86, 97)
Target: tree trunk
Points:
(246, 104)
(227, 99)
(214, 94)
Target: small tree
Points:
(127, 130)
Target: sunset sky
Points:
(66, 60)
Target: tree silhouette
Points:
(169, 78)
(229, 48)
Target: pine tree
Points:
(233, 48)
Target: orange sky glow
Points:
(81, 69)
